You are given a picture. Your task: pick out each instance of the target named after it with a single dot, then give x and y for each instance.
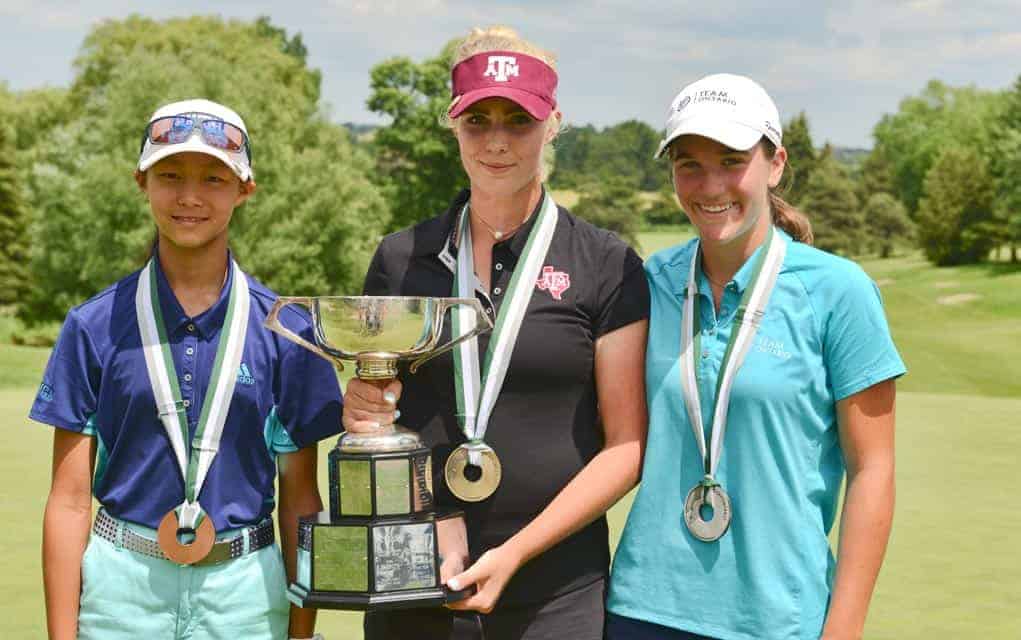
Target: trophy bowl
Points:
(377, 331)
(382, 544)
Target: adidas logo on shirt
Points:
(245, 376)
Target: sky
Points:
(844, 63)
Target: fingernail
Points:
(454, 584)
(390, 397)
(397, 414)
(376, 425)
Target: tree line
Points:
(943, 173)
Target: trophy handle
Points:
(273, 324)
(480, 327)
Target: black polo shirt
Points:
(545, 424)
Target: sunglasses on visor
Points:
(215, 132)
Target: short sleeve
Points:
(308, 405)
(68, 393)
(857, 345)
(623, 291)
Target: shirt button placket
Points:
(187, 389)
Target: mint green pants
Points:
(127, 595)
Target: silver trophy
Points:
(381, 544)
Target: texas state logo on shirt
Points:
(556, 282)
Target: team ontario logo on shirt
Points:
(501, 68)
(45, 393)
(556, 282)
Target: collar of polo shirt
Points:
(207, 322)
(444, 235)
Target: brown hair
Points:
(785, 215)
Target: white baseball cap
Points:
(233, 152)
(733, 110)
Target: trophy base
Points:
(366, 563)
(436, 597)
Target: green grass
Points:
(653, 241)
(967, 347)
(952, 569)
(22, 366)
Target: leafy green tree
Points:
(1005, 166)
(32, 114)
(801, 157)
(621, 151)
(875, 175)
(613, 205)
(663, 209)
(941, 117)
(573, 146)
(416, 154)
(310, 228)
(831, 204)
(626, 150)
(13, 275)
(956, 221)
(887, 223)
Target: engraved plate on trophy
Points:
(404, 557)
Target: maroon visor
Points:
(527, 81)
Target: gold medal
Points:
(469, 482)
(175, 550)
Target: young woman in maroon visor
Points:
(540, 424)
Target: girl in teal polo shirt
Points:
(780, 356)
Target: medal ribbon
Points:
(194, 461)
(478, 388)
(747, 318)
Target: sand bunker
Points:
(957, 298)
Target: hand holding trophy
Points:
(381, 545)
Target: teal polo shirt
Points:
(823, 337)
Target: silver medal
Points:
(713, 529)
(708, 492)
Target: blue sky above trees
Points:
(844, 63)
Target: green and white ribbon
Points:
(749, 315)
(195, 460)
(478, 387)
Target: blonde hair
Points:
(504, 38)
(498, 38)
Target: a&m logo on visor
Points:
(556, 282)
(501, 68)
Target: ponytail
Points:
(785, 215)
(788, 218)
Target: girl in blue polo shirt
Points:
(769, 373)
(174, 408)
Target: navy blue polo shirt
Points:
(96, 383)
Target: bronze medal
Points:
(175, 550)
